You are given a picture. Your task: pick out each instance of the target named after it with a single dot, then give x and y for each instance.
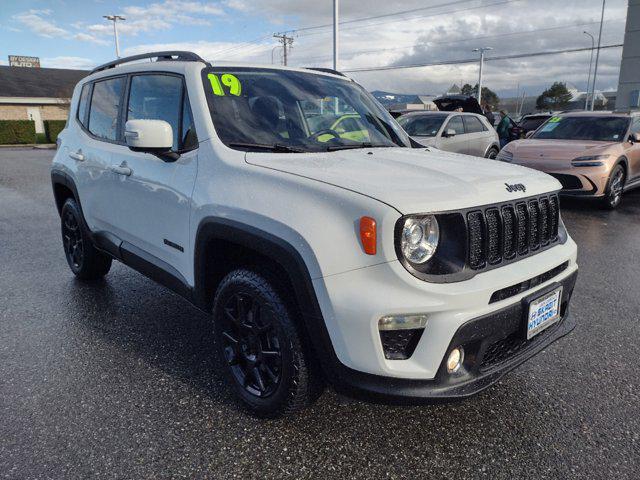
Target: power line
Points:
(467, 39)
(475, 60)
(363, 19)
(369, 25)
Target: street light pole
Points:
(481, 50)
(335, 34)
(114, 19)
(586, 100)
(595, 69)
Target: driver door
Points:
(458, 143)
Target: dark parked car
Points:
(530, 123)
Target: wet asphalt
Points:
(119, 379)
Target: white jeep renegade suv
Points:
(289, 204)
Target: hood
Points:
(534, 149)
(453, 102)
(413, 180)
(426, 141)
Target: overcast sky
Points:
(72, 34)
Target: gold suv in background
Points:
(592, 154)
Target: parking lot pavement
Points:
(119, 379)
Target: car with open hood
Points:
(391, 273)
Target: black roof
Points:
(39, 82)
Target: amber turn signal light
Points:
(368, 235)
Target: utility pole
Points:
(481, 50)
(286, 42)
(586, 100)
(114, 19)
(595, 69)
(335, 34)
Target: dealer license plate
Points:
(543, 312)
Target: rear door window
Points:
(473, 124)
(83, 104)
(105, 104)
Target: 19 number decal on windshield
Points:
(228, 80)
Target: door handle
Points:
(121, 169)
(77, 156)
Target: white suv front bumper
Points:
(354, 301)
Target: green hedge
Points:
(14, 132)
(52, 128)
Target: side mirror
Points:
(151, 136)
(529, 134)
(450, 132)
(634, 138)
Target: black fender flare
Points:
(285, 255)
(58, 177)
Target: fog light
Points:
(402, 322)
(454, 362)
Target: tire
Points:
(615, 188)
(492, 153)
(84, 260)
(251, 318)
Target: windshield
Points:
(422, 125)
(597, 129)
(287, 111)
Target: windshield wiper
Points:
(333, 148)
(275, 147)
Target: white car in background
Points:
(457, 132)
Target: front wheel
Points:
(615, 188)
(492, 153)
(261, 347)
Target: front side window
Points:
(595, 129)
(157, 97)
(422, 125)
(473, 124)
(105, 104)
(635, 127)
(261, 108)
(456, 124)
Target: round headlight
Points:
(419, 238)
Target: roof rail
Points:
(326, 70)
(179, 55)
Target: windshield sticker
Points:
(554, 119)
(549, 126)
(230, 81)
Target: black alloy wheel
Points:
(262, 344)
(72, 240)
(85, 261)
(251, 345)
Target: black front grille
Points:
(569, 182)
(496, 235)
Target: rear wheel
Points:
(615, 188)
(492, 153)
(85, 261)
(259, 343)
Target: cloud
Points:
(33, 20)
(214, 51)
(36, 21)
(78, 63)
(160, 16)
